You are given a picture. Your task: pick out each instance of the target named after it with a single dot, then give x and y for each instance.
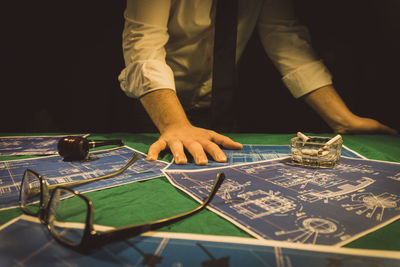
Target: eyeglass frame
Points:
(45, 188)
(91, 239)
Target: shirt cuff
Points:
(140, 78)
(307, 78)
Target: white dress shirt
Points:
(169, 44)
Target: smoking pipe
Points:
(76, 148)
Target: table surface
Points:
(157, 198)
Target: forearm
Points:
(327, 103)
(332, 109)
(164, 109)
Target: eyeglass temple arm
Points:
(133, 230)
(132, 160)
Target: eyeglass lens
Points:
(67, 216)
(30, 193)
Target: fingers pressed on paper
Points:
(197, 151)
(155, 149)
(388, 130)
(215, 151)
(226, 142)
(176, 148)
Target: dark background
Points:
(60, 61)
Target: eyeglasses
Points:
(34, 190)
(69, 214)
(85, 239)
(69, 218)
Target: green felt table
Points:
(157, 198)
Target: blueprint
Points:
(276, 200)
(57, 171)
(249, 153)
(29, 145)
(171, 249)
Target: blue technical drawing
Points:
(249, 153)
(41, 250)
(277, 200)
(57, 171)
(29, 145)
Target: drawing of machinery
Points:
(11, 143)
(395, 177)
(254, 169)
(254, 154)
(46, 143)
(341, 192)
(7, 190)
(310, 229)
(372, 205)
(230, 187)
(227, 189)
(358, 168)
(259, 203)
(303, 178)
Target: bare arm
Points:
(178, 133)
(145, 35)
(330, 106)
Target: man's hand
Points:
(330, 106)
(177, 133)
(196, 141)
(362, 125)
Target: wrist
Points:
(165, 110)
(173, 125)
(342, 124)
(331, 108)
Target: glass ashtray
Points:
(315, 152)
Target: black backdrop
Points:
(60, 61)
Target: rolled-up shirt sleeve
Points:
(144, 37)
(288, 45)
